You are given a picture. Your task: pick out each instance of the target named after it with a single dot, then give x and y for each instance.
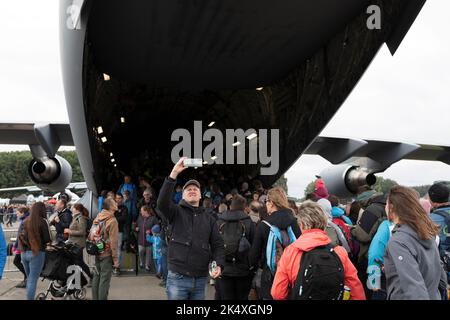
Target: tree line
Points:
(14, 168)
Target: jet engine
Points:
(50, 174)
(345, 180)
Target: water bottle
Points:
(100, 246)
(346, 293)
(212, 268)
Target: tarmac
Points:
(123, 287)
(127, 286)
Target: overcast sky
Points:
(400, 98)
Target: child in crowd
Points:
(155, 240)
(145, 222)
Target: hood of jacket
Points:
(104, 214)
(186, 205)
(234, 215)
(403, 231)
(281, 218)
(326, 207)
(311, 239)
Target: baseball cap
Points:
(191, 182)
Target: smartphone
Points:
(190, 162)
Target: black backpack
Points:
(444, 246)
(235, 243)
(320, 276)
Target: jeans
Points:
(145, 257)
(158, 266)
(102, 278)
(33, 267)
(164, 271)
(181, 287)
(119, 248)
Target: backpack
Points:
(320, 275)
(235, 242)
(277, 241)
(89, 222)
(333, 235)
(95, 244)
(345, 230)
(445, 251)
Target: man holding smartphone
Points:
(194, 239)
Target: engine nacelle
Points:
(345, 180)
(50, 174)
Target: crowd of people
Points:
(250, 242)
(8, 214)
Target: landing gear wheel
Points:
(80, 294)
(41, 296)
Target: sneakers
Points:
(22, 284)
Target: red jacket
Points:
(289, 264)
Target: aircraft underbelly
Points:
(212, 44)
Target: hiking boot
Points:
(22, 284)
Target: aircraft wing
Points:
(29, 133)
(340, 149)
(72, 186)
(25, 188)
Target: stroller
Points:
(67, 278)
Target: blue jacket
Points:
(439, 220)
(337, 212)
(100, 204)
(156, 245)
(131, 188)
(2, 251)
(376, 253)
(379, 243)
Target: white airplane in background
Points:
(72, 197)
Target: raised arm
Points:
(165, 204)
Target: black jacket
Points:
(368, 225)
(121, 217)
(65, 219)
(241, 268)
(195, 238)
(281, 219)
